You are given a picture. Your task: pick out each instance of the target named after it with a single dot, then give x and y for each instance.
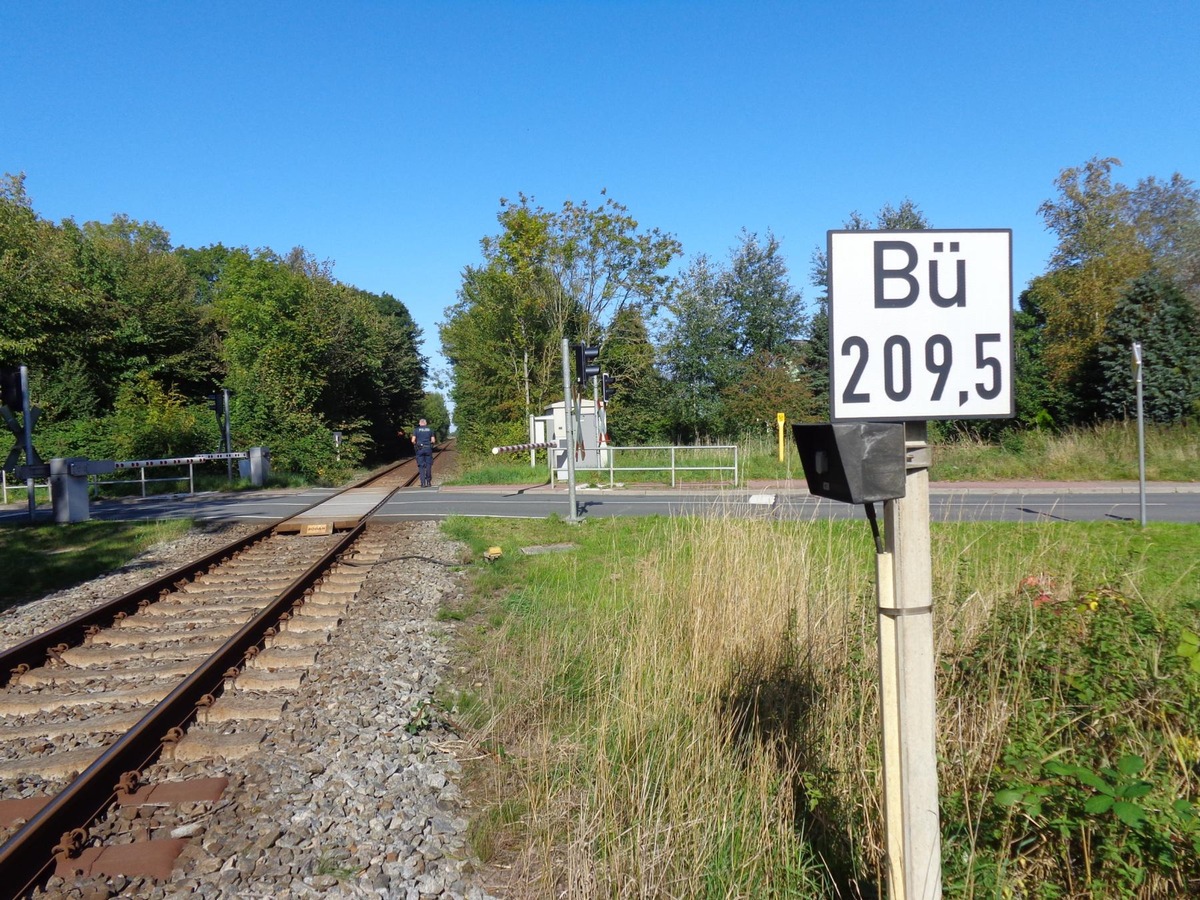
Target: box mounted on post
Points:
(854, 462)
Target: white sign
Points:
(920, 325)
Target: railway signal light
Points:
(11, 394)
(585, 363)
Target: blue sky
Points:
(381, 136)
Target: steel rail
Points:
(33, 651)
(28, 854)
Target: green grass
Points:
(629, 467)
(40, 559)
(1103, 453)
(682, 707)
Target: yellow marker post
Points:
(780, 418)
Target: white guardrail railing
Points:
(21, 486)
(609, 452)
(606, 455)
(141, 465)
(138, 465)
(673, 465)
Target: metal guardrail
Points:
(673, 465)
(138, 465)
(21, 486)
(141, 465)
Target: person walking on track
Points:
(423, 439)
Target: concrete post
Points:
(915, 709)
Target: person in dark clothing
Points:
(423, 439)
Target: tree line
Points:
(717, 349)
(125, 336)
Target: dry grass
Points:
(688, 708)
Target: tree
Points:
(1109, 235)
(435, 412)
(814, 349)
(546, 276)
(1166, 216)
(145, 317)
(768, 312)
(698, 351)
(307, 356)
(1154, 312)
(638, 413)
(768, 386)
(38, 301)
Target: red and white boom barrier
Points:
(517, 448)
(177, 461)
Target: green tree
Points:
(307, 356)
(698, 351)
(1109, 235)
(1097, 257)
(1155, 312)
(546, 275)
(768, 312)
(150, 422)
(39, 303)
(769, 385)
(435, 412)
(637, 413)
(1166, 216)
(145, 315)
(813, 350)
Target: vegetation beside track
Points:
(38, 559)
(1105, 452)
(683, 707)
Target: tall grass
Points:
(686, 708)
(1101, 453)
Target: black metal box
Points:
(854, 462)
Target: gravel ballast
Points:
(354, 792)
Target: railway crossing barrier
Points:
(70, 479)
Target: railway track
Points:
(193, 666)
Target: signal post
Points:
(920, 327)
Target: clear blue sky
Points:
(381, 136)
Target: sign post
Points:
(1137, 375)
(569, 415)
(920, 328)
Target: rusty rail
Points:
(27, 857)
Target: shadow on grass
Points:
(36, 560)
(780, 706)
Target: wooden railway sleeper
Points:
(23, 856)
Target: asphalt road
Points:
(1025, 502)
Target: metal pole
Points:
(228, 443)
(915, 711)
(30, 486)
(568, 415)
(1137, 371)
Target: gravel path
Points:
(354, 792)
